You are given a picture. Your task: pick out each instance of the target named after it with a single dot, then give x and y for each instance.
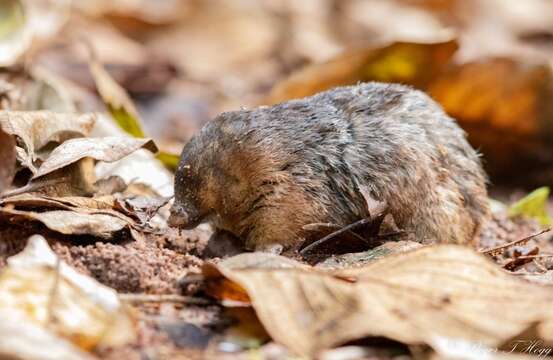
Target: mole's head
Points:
(208, 180)
(189, 209)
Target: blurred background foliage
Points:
(488, 62)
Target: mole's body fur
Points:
(263, 174)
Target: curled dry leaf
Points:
(107, 149)
(414, 297)
(72, 222)
(69, 215)
(35, 129)
(408, 63)
(38, 288)
(7, 160)
(89, 204)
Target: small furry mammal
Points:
(263, 174)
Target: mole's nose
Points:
(178, 217)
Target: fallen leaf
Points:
(107, 149)
(38, 287)
(446, 290)
(72, 222)
(35, 129)
(7, 160)
(17, 334)
(408, 63)
(117, 100)
(504, 106)
(122, 108)
(28, 200)
(362, 258)
(533, 205)
(15, 37)
(22, 21)
(139, 169)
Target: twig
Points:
(332, 235)
(498, 249)
(315, 226)
(523, 257)
(189, 300)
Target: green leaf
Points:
(169, 160)
(533, 205)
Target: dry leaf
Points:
(117, 100)
(23, 20)
(24, 340)
(28, 200)
(97, 216)
(415, 297)
(7, 160)
(122, 108)
(504, 105)
(107, 149)
(38, 287)
(408, 63)
(140, 167)
(15, 37)
(35, 129)
(74, 223)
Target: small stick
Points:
(523, 257)
(497, 250)
(190, 300)
(315, 226)
(332, 235)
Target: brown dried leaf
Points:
(107, 149)
(408, 63)
(446, 291)
(505, 107)
(7, 160)
(28, 200)
(68, 222)
(35, 129)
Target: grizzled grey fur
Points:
(263, 174)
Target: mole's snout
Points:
(178, 217)
(181, 218)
